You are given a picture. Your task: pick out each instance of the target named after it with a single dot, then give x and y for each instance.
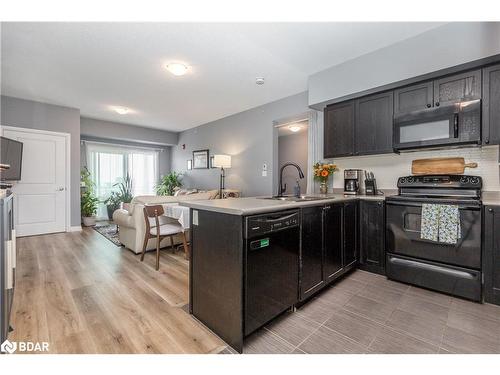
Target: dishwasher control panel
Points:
(271, 222)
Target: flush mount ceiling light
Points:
(177, 69)
(294, 128)
(259, 80)
(121, 110)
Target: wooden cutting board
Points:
(440, 166)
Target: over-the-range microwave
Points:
(451, 125)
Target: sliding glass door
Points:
(109, 165)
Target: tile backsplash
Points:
(388, 167)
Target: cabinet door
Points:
(491, 256)
(339, 130)
(491, 107)
(311, 251)
(413, 98)
(333, 241)
(372, 236)
(374, 124)
(456, 88)
(350, 225)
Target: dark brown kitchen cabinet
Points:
(457, 88)
(373, 123)
(312, 250)
(414, 97)
(350, 232)
(372, 236)
(328, 245)
(491, 105)
(333, 226)
(339, 130)
(491, 254)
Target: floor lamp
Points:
(222, 162)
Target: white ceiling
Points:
(92, 66)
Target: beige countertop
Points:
(491, 198)
(256, 205)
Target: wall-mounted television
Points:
(11, 153)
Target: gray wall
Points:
(34, 115)
(124, 132)
(293, 147)
(246, 136)
(443, 47)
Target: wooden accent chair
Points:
(160, 232)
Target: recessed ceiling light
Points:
(177, 69)
(259, 80)
(294, 128)
(121, 110)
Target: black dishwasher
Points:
(272, 243)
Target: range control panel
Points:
(441, 181)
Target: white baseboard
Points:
(76, 228)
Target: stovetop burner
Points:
(443, 186)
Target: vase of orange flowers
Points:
(322, 171)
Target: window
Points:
(109, 164)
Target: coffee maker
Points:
(353, 181)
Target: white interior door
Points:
(40, 195)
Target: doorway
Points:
(293, 147)
(41, 197)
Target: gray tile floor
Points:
(366, 313)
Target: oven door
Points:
(456, 124)
(403, 233)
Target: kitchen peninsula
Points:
(254, 258)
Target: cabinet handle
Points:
(486, 141)
(437, 104)
(490, 209)
(429, 105)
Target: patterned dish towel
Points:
(441, 223)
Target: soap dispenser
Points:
(296, 189)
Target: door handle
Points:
(60, 189)
(455, 125)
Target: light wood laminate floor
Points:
(82, 294)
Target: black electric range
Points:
(453, 268)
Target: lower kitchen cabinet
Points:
(372, 236)
(332, 237)
(350, 224)
(491, 254)
(329, 245)
(312, 250)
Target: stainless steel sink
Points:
(302, 198)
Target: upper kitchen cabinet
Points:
(491, 108)
(458, 87)
(339, 130)
(374, 115)
(414, 98)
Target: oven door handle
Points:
(455, 125)
(419, 204)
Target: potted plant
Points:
(169, 183)
(88, 199)
(113, 203)
(321, 173)
(125, 191)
